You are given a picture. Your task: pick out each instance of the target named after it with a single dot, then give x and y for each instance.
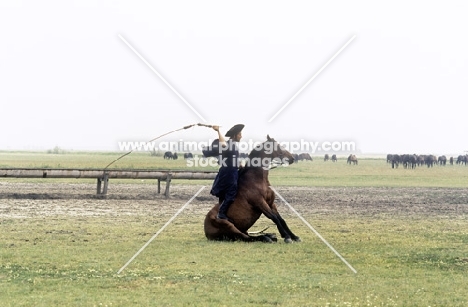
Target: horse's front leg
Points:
(274, 209)
(279, 222)
(286, 228)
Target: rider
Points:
(225, 183)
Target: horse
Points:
(389, 158)
(254, 198)
(352, 159)
(396, 159)
(305, 156)
(168, 155)
(430, 160)
(442, 160)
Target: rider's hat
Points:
(234, 130)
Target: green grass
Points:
(73, 262)
(85, 160)
(369, 172)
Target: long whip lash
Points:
(259, 231)
(183, 128)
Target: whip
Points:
(183, 128)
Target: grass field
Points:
(369, 172)
(413, 253)
(74, 263)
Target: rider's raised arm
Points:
(222, 140)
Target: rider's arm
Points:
(222, 141)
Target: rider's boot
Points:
(223, 208)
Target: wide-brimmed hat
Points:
(234, 130)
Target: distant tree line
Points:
(56, 151)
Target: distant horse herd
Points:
(407, 160)
(174, 156)
(352, 159)
(333, 158)
(302, 157)
(411, 161)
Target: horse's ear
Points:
(268, 137)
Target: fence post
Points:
(106, 183)
(168, 184)
(99, 180)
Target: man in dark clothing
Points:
(225, 183)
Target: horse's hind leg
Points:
(271, 236)
(229, 230)
(267, 238)
(235, 234)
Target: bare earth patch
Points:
(23, 200)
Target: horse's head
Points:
(271, 151)
(279, 152)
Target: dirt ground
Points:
(23, 200)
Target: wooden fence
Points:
(103, 176)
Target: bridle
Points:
(280, 156)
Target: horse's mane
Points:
(257, 151)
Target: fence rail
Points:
(102, 176)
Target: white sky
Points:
(68, 80)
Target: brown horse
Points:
(352, 159)
(254, 198)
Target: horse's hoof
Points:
(297, 239)
(267, 239)
(288, 240)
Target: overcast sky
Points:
(68, 79)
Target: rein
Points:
(276, 164)
(280, 157)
